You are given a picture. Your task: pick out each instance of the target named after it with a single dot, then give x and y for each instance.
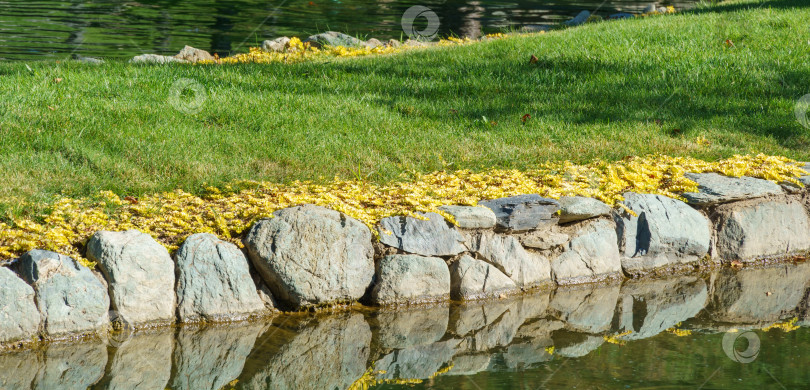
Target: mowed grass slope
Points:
(668, 84)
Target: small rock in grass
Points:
(372, 43)
(650, 8)
(577, 208)
(333, 38)
(191, 54)
(87, 60)
(475, 279)
(70, 298)
(411, 279)
(213, 281)
(393, 43)
(277, 45)
(139, 273)
(471, 217)
(581, 18)
(431, 237)
(155, 59)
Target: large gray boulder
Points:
(750, 230)
(526, 269)
(475, 279)
(333, 38)
(577, 208)
(213, 281)
(275, 45)
(666, 233)
(139, 273)
(591, 255)
(714, 188)
(70, 298)
(19, 317)
(430, 237)
(404, 279)
(310, 255)
(471, 217)
(523, 212)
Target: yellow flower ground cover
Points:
(171, 217)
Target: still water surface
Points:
(43, 29)
(675, 335)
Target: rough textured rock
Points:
(757, 296)
(191, 54)
(526, 269)
(213, 281)
(333, 38)
(464, 365)
(20, 368)
(139, 273)
(715, 188)
(275, 45)
(748, 230)
(523, 212)
(332, 353)
(69, 297)
(310, 255)
(581, 18)
(475, 279)
(155, 59)
(806, 178)
(411, 279)
(588, 309)
(72, 366)
(141, 362)
(408, 328)
(19, 317)
(543, 239)
(665, 233)
(372, 43)
(471, 217)
(591, 255)
(86, 60)
(431, 237)
(417, 362)
(577, 208)
(648, 308)
(210, 358)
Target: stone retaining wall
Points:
(309, 256)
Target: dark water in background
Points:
(503, 344)
(55, 29)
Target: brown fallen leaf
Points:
(533, 59)
(729, 43)
(51, 108)
(131, 199)
(736, 264)
(57, 80)
(768, 293)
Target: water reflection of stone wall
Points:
(335, 351)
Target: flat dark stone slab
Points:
(523, 212)
(714, 188)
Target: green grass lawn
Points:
(600, 91)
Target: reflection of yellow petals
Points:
(228, 211)
(786, 326)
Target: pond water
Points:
(683, 332)
(42, 29)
